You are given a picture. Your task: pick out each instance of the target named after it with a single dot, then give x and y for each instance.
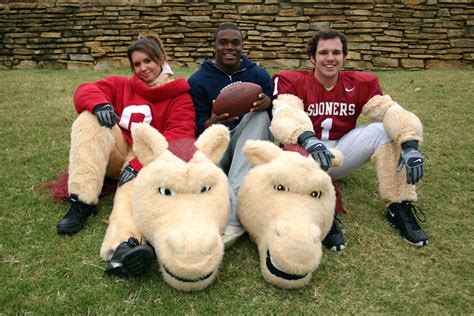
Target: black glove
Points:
(106, 115)
(128, 173)
(317, 149)
(413, 161)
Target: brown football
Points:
(236, 98)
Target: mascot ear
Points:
(261, 151)
(148, 143)
(213, 142)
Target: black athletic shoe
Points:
(130, 259)
(334, 240)
(76, 217)
(403, 216)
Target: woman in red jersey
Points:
(101, 141)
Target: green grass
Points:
(43, 273)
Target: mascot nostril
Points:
(288, 225)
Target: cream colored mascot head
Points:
(181, 208)
(286, 203)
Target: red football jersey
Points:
(333, 113)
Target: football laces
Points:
(230, 86)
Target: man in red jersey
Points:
(332, 101)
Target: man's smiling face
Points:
(228, 47)
(328, 60)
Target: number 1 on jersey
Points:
(326, 126)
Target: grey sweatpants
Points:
(254, 125)
(357, 147)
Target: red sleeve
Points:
(88, 95)
(181, 121)
(283, 83)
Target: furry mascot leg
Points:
(121, 223)
(91, 146)
(121, 153)
(393, 186)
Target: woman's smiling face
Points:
(145, 67)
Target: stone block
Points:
(302, 26)
(388, 39)
(421, 56)
(262, 55)
(412, 2)
(201, 18)
(281, 63)
(412, 63)
(469, 57)
(462, 42)
(371, 25)
(353, 56)
(245, 1)
(51, 34)
(360, 38)
(316, 26)
(444, 64)
(81, 57)
(386, 49)
(111, 63)
(48, 64)
(357, 12)
(455, 1)
(310, 1)
(113, 38)
(358, 65)
(22, 51)
(26, 64)
(258, 9)
(78, 65)
(21, 5)
(385, 62)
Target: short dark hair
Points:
(227, 26)
(325, 35)
(150, 44)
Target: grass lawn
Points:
(43, 273)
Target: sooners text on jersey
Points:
(333, 113)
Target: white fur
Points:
(289, 223)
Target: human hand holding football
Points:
(223, 119)
(239, 98)
(261, 104)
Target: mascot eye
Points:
(316, 194)
(279, 187)
(205, 189)
(166, 191)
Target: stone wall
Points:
(69, 34)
